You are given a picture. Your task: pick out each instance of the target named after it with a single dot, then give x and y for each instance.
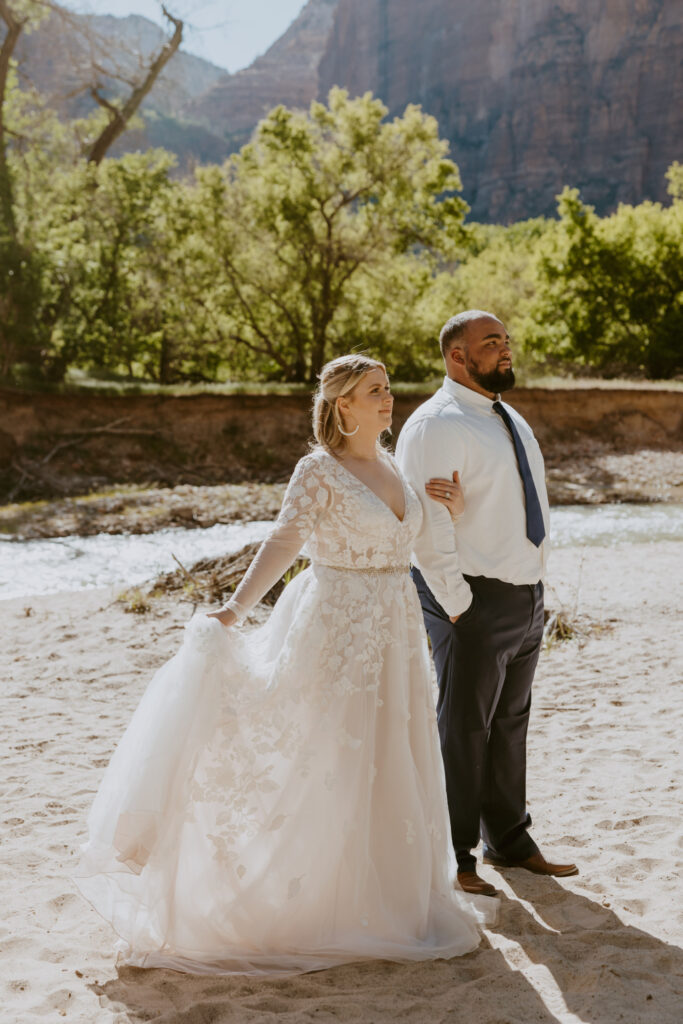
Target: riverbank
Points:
(54, 446)
(599, 478)
(604, 790)
(140, 510)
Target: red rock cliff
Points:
(532, 94)
(287, 73)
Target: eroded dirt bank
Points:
(622, 444)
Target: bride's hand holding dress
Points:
(226, 616)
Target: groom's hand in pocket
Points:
(454, 618)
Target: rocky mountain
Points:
(532, 94)
(287, 73)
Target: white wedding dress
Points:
(277, 803)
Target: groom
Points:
(481, 592)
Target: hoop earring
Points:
(348, 433)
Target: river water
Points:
(79, 563)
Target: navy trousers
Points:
(485, 665)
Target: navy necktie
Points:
(535, 530)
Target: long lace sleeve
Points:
(305, 501)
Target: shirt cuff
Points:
(454, 596)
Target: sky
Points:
(229, 33)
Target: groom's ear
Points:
(456, 354)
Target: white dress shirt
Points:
(457, 428)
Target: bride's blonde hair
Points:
(338, 377)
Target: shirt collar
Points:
(467, 395)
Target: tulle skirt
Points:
(277, 802)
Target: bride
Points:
(277, 803)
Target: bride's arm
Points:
(306, 499)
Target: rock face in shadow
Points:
(532, 94)
(287, 73)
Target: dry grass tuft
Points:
(561, 626)
(135, 601)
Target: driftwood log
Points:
(215, 579)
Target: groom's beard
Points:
(495, 381)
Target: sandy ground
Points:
(604, 789)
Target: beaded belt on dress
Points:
(380, 571)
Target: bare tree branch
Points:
(120, 116)
(102, 101)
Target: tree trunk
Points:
(319, 347)
(14, 30)
(165, 361)
(16, 305)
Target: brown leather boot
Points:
(536, 863)
(469, 881)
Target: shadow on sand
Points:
(605, 970)
(589, 964)
(478, 987)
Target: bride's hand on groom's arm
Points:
(448, 493)
(225, 616)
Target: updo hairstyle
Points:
(337, 378)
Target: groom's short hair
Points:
(454, 329)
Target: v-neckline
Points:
(374, 493)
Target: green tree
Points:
(100, 243)
(305, 221)
(674, 176)
(609, 291)
(77, 238)
(19, 279)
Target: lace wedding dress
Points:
(277, 802)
